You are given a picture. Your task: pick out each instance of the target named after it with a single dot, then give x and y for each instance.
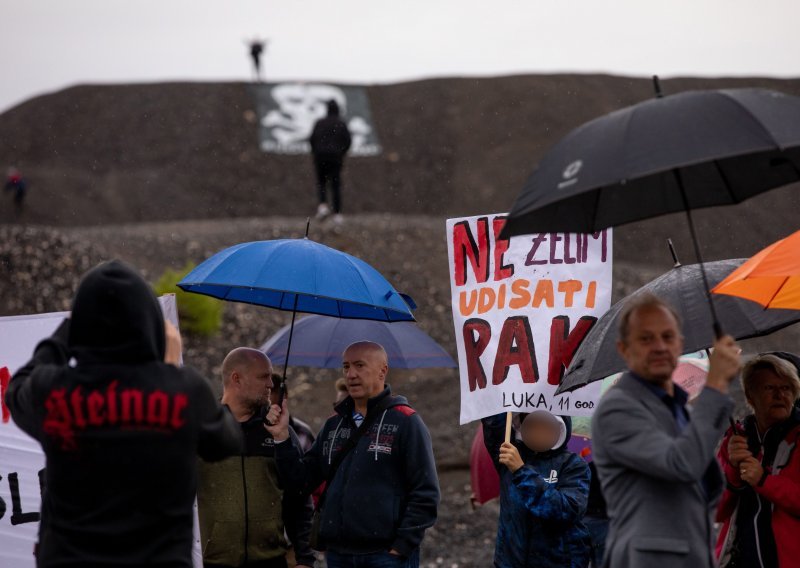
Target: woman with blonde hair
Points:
(760, 508)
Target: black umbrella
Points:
(676, 153)
(597, 356)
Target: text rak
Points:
(515, 347)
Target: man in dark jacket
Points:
(386, 491)
(120, 429)
(544, 489)
(330, 141)
(242, 506)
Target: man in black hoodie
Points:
(385, 492)
(330, 140)
(120, 429)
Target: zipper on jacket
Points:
(246, 512)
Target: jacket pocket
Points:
(661, 544)
(225, 544)
(266, 540)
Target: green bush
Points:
(199, 315)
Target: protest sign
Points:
(521, 308)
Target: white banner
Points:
(21, 458)
(521, 308)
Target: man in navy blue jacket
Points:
(386, 491)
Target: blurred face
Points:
(653, 345)
(540, 431)
(365, 371)
(254, 382)
(771, 397)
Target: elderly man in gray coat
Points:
(655, 459)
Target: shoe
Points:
(338, 219)
(323, 211)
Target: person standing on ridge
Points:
(330, 140)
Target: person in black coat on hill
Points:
(330, 140)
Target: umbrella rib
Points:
(777, 291)
(725, 181)
(598, 193)
(363, 282)
(753, 117)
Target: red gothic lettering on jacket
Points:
(69, 412)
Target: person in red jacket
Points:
(760, 508)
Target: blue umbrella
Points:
(322, 341)
(299, 275)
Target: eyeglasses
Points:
(780, 389)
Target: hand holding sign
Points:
(174, 350)
(509, 457)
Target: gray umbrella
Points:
(683, 289)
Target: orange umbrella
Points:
(771, 277)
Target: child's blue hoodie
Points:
(541, 504)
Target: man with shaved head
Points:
(246, 505)
(375, 456)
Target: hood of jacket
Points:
(333, 108)
(116, 318)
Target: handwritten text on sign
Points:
(521, 308)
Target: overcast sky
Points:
(51, 44)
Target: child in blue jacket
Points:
(544, 489)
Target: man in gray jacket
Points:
(655, 459)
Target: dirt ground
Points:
(99, 154)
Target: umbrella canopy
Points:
(675, 153)
(771, 277)
(298, 275)
(683, 289)
(321, 341)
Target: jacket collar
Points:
(348, 406)
(640, 391)
(680, 397)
